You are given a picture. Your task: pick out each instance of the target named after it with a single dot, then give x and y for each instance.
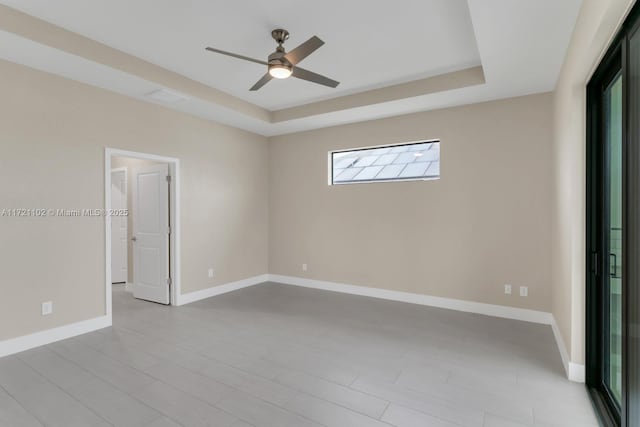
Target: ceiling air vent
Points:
(166, 96)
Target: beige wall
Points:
(53, 133)
(508, 209)
(130, 164)
(485, 223)
(597, 23)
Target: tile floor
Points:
(277, 356)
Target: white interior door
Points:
(119, 227)
(150, 191)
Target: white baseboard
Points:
(575, 372)
(420, 299)
(221, 289)
(37, 339)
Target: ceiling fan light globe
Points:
(279, 71)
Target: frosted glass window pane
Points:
(344, 163)
(395, 162)
(378, 151)
(387, 159)
(427, 156)
(405, 158)
(419, 147)
(414, 169)
(434, 169)
(366, 161)
(348, 174)
(337, 156)
(400, 149)
(368, 173)
(390, 172)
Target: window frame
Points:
(331, 153)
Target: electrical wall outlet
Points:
(507, 289)
(210, 273)
(304, 267)
(524, 291)
(47, 308)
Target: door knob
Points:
(134, 238)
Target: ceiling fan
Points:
(281, 64)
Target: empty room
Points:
(320, 214)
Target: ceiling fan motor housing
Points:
(277, 60)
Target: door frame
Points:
(597, 263)
(126, 183)
(174, 221)
(620, 49)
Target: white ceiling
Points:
(368, 43)
(520, 44)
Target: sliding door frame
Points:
(597, 262)
(618, 57)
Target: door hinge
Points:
(169, 281)
(169, 230)
(168, 178)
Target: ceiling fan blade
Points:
(263, 81)
(303, 74)
(304, 50)
(235, 55)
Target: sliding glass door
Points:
(605, 237)
(612, 275)
(613, 231)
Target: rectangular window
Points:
(401, 162)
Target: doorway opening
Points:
(142, 218)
